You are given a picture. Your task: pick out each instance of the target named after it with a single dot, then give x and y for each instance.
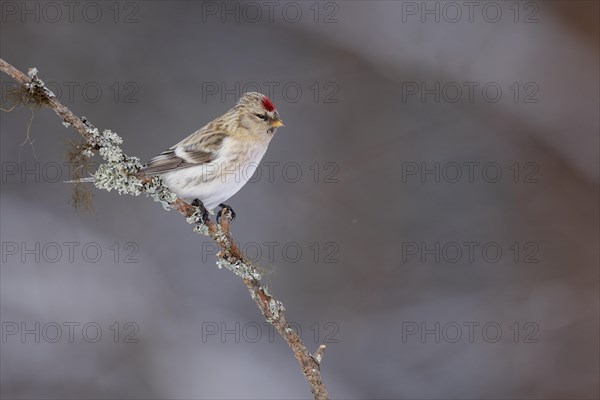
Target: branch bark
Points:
(230, 254)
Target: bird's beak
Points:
(276, 123)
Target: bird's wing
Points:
(199, 148)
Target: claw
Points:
(203, 210)
(225, 211)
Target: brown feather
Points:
(199, 148)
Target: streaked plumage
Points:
(216, 161)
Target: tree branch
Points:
(121, 173)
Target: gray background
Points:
(164, 56)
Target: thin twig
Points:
(271, 308)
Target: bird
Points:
(212, 164)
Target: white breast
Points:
(214, 183)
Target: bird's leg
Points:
(203, 210)
(225, 211)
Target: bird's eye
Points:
(262, 116)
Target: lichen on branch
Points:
(120, 172)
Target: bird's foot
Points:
(225, 212)
(203, 211)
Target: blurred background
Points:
(429, 211)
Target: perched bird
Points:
(213, 163)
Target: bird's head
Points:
(258, 113)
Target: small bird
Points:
(216, 161)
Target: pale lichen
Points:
(197, 220)
(107, 142)
(220, 236)
(117, 176)
(32, 72)
(32, 94)
(276, 308)
(36, 87)
(119, 172)
(88, 153)
(265, 290)
(240, 268)
(159, 192)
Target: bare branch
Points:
(318, 356)
(230, 256)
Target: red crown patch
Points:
(267, 104)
